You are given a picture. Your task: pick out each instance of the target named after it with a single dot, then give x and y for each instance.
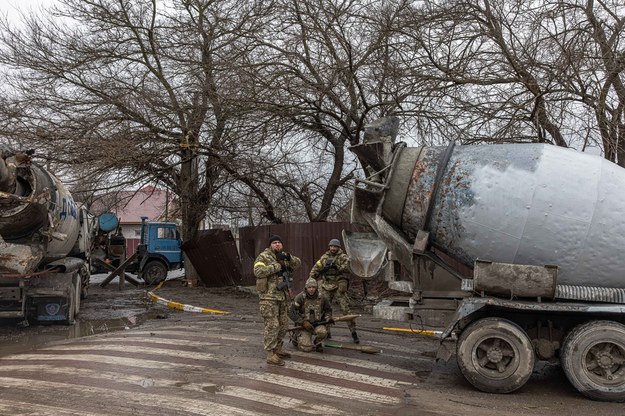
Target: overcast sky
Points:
(12, 7)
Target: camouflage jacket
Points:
(268, 275)
(304, 304)
(332, 267)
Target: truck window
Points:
(167, 233)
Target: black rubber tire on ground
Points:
(593, 359)
(154, 272)
(495, 355)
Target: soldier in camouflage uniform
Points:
(310, 308)
(333, 267)
(270, 268)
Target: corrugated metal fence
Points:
(215, 258)
(218, 263)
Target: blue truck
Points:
(158, 252)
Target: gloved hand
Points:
(283, 256)
(308, 326)
(281, 286)
(329, 320)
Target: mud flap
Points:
(443, 353)
(367, 253)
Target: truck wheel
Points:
(593, 359)
(154, 272)
(495, 355)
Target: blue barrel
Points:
(108, 222)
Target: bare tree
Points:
(521, 71)
(134, 92)
(324, 70)
(246, 109)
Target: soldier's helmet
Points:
(311, 282)
(334, 242)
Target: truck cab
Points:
(159, 250)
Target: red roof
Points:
(130, 206)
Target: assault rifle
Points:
(327, 322)
(285, 284)
(329, 266)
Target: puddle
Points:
(17, 340)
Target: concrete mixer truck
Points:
(515, 250)
(44, 243)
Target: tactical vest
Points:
(312, 305)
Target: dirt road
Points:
(146, 359)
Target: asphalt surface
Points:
(128, 356)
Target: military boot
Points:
(274, 359)
(319, 347)
(355, 337)
(280, 352)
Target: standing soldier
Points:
(310, 310)
(272, 269)
(334, 268)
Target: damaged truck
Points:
(44, 243)
(513, 249)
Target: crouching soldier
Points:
(313, 313)
(333, 268)
(272, 270)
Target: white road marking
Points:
(122, 348)
(102, 359)
(280, 401)
(355, 362)
(342, 374)
(164, 341)
(323, 389)
(11, 407)
(182, 334)
(201, 407)
(46, 369)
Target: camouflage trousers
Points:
(341, 298)
(305, 341)
(275, 316)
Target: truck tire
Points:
(593, 359)
(154, 272)
(495, 355)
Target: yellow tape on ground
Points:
(180, 306)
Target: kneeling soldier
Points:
(313, 312)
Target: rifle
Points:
(329, 265)
(327, 322)
(285, 284)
